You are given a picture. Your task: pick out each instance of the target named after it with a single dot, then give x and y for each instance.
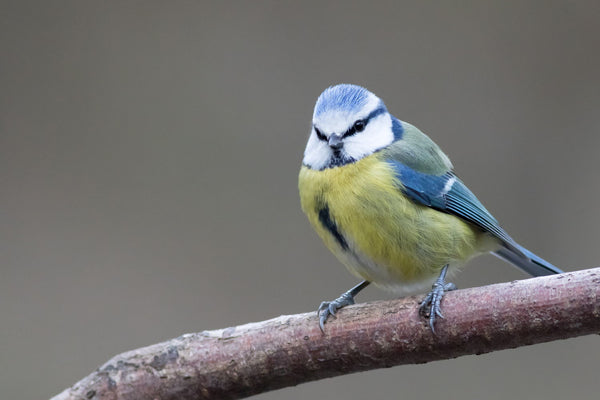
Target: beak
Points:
(335, 142)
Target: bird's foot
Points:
(430, 306)
(328, 308)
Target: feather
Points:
(444, 191)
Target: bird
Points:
(385, 200)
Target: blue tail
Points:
(527, 261)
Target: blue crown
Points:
(342, 97)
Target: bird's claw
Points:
(328, 308)
(431, 305)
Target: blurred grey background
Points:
(148, 169)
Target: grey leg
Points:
(328, 308)
(430, 306)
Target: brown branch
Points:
(249, 359)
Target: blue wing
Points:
(447, 193)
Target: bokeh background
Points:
(148, 167)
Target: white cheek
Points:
(376, 136)
(317, 153)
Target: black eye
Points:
(320, 135)
(359, 125)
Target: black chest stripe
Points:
(329, 224)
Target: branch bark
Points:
(245, 360)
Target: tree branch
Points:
(249, 359)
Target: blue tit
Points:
(385, 200)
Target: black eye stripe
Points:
(320, 135)
(374, 113)
(361, 124)
(358, 126)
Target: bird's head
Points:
(349, 123)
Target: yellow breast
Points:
(381, 235)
